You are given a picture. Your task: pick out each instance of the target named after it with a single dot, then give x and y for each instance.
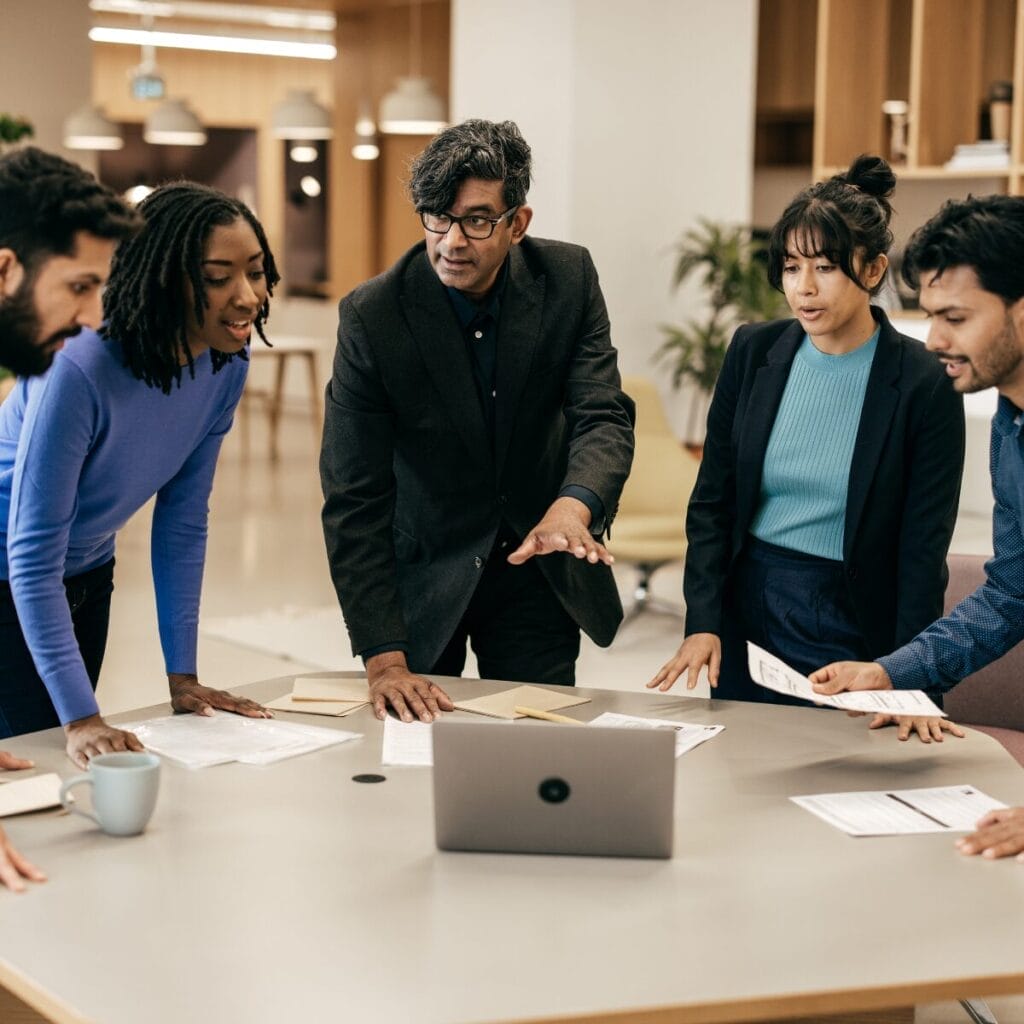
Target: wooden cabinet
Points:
(940, 56)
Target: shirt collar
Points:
(467, 310)
(1008, 417)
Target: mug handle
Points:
(65, 790)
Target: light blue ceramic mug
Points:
(124, 788)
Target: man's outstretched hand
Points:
(565, 527)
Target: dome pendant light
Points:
(89, 128)
(300, 118)
(412, 107)
(174, 124)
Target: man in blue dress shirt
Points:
(968, 262)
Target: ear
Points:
(12, 273)
(874, 271)
(1015, 311)
(520, 222)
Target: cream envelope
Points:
(503, 705)
(333, 708)
(341, 687)
(32, 794)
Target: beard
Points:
(998, 363)
(22, 351)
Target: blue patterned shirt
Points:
(987, 623)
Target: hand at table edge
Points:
(411, 696)
(1000, 833)
(927, 728)
(696, 651)
(88, 737)
(14, 867)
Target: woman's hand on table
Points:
(10, 763)
(695, 652)
(927, 728)
(189, 695)
(88, 737)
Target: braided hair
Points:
(145, 299)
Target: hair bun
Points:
(872, 175)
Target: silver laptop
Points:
(528, 788)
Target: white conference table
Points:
(268, 894)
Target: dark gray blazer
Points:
(414, 493)
(904, 481)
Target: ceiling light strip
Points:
(215, 43)
(276, 17)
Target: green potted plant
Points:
(732, 267)
(14, 129)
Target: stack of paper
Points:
(336, 695)
(35, 793)
(410, 743)
(687, 736)
(200, 741)
(503, 704)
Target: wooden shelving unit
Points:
(939, 55)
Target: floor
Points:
(265, 551)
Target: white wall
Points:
(640, 115)
(46, 67)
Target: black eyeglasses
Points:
(472, 225)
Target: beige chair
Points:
(991, 700)
(649, 528)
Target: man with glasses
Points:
(474, 422)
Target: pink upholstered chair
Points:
(991, 700)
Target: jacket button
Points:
(851, 573)
(478, 561)
(502, 499)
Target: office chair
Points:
(649, 527)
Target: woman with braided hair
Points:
(138, 409)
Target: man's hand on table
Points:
(88, 737)
(411, 696)
(14, 867)
(188, 694)
(565, 527)
(1000, 834)
(696, 651)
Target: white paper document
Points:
(407, 743)
(774, 674)
(199, 741)
(901, 812)
(687, 736)
(32, 794)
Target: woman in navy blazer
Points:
(828, 491)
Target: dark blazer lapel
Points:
(880, 400)
(518, 336)
(759, 418)
(438, 336)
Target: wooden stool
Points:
(285, 346)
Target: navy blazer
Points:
(414, 489)
(903, 491)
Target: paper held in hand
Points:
(774, 674)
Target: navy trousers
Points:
(25, 704)
(793, 605)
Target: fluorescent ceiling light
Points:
(275, 17)
(216, 43)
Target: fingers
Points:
(444, 702)
(714, 666)
(1004, 839)
(668, 674)
(9, 875)
(236, 705)
(25, 867)
(878, 722)
(952, 727)
(580, 545)
(823, 676)
(10, 763)
(133, 742)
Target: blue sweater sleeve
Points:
(60, 424)
(178, 544)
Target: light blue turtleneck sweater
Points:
(807, 463)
